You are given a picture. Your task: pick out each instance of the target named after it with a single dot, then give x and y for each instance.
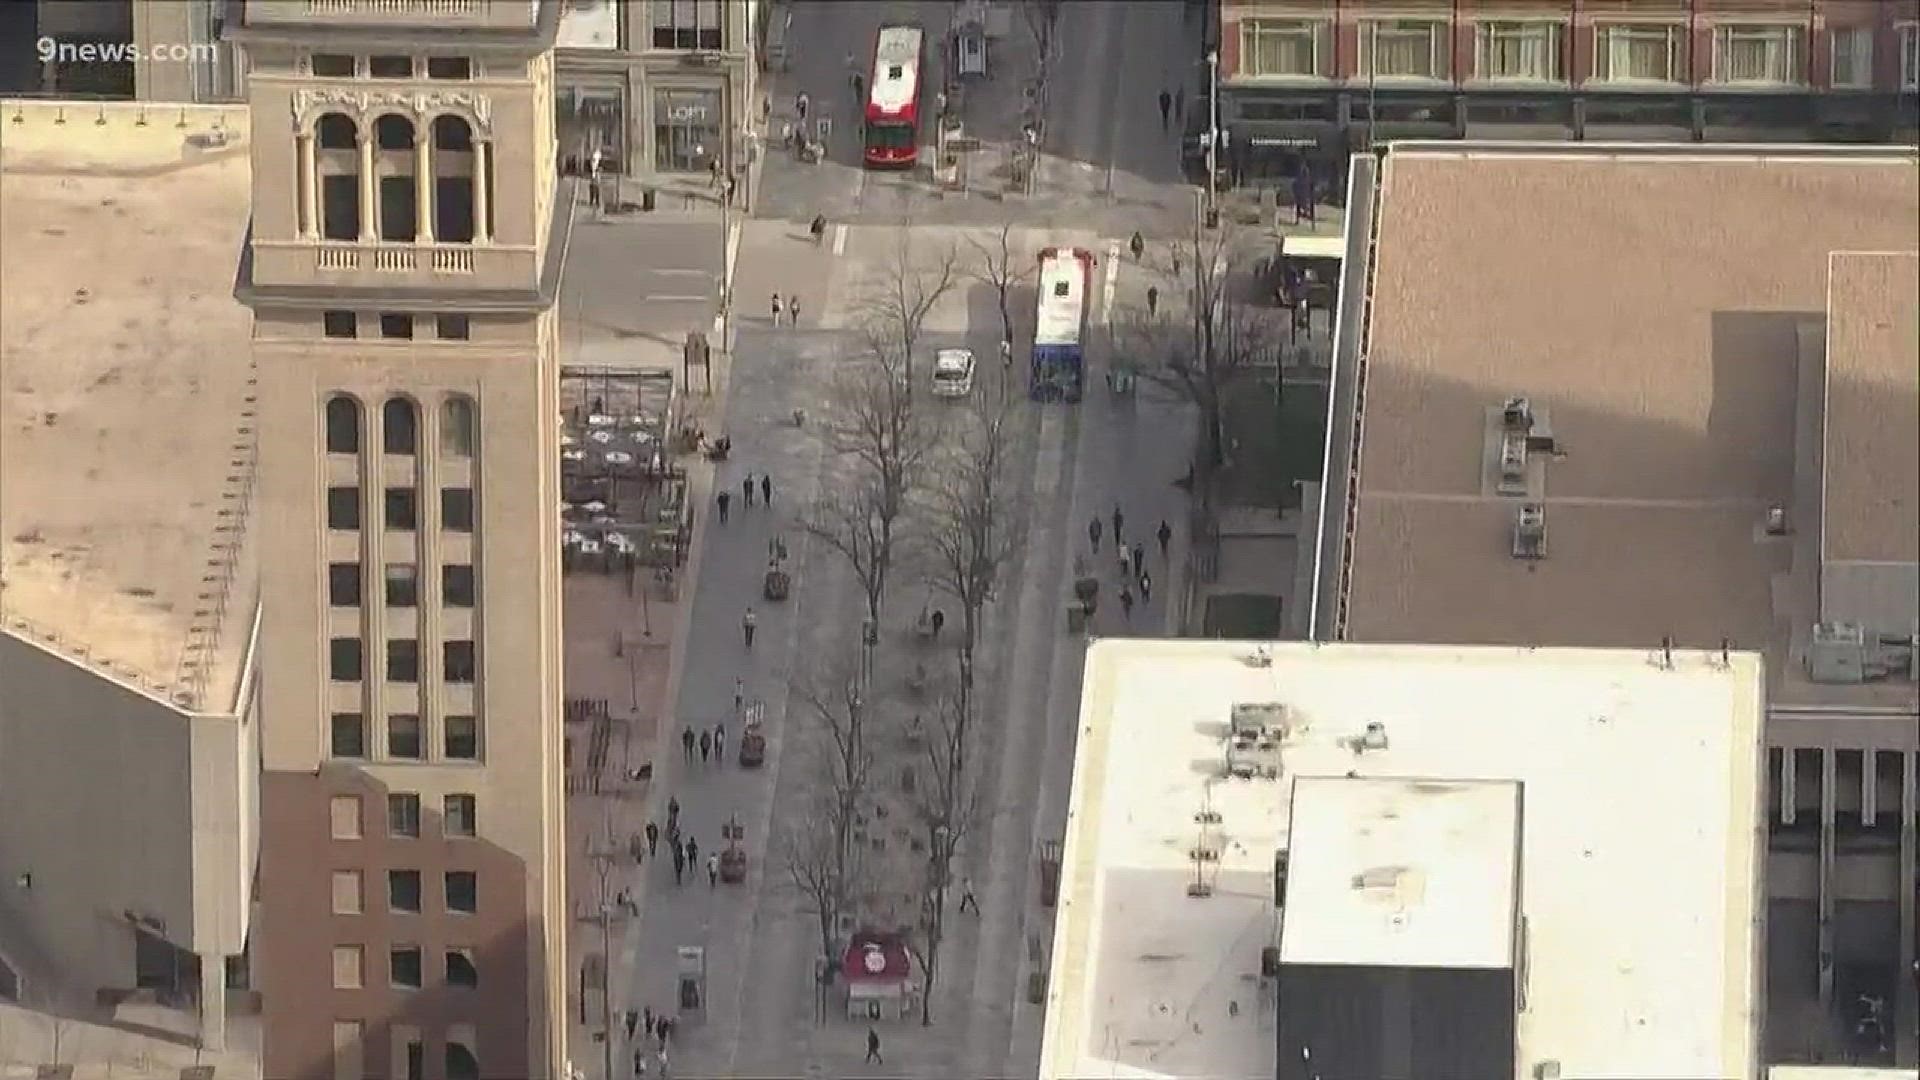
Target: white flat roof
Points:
(1640, 844)
(1061, 313)
(1402, 873)
(1838, 1072)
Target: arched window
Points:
(402, 426)
(453, 180)
(461, 1064)
(337, 161)
(343, 425)
(456, 426)
(394, 164)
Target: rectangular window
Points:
(403, 509)
(349, 735)
(347, 897)
(1763, 55)
(396, 326)
(1280, 47)
(463, 892)
(404, 964)
(349, 963)
(344, 814)
(451, 327)
(403, 585)
(340, 324)
(1404, 49)
(1852, 57)
(403, 891)
(345, 659)
(459, 661)
(1518, 51)
(403, 660)
(343, 584)
(460, 969)
(686, 24)
(403, 815)
(403, 736)
(463, 738)
(449, 67)
(1637, 52)
(349, 1050)
(1910, 56)
(460, 815)
(343, 508)
(456, 509)
(331, 65)
(390, 67)
(456, 584)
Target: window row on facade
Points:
(459, 892)
(459, 816)
(461, 1058)
(388, 66)
(1527, 52)
(346, 660)
(400, 509)
(346, 418)
(406, 737)
(388, 179)
(398, 325)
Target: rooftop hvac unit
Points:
(1253, 742)
(1530, 532)
(1516, 416)
(1513, 460)
(1845, 653)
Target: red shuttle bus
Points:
(892, 130)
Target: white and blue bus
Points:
(1060, 328)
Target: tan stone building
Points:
(401, 268)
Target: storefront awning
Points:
(1314, 247)
(1282, 140)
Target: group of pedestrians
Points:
(748, 483)
(710, 743)
(647, 1026)
(1131, 559)
(787, 307)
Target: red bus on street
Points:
(892, 130)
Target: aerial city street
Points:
(1280, 539)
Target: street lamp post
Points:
(1213, 131)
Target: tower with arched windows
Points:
(401, 266)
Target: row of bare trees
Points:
(921, 489)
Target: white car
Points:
(953, 373)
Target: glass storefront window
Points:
(686, 130)
(590, 118)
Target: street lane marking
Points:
(675, 298)
(683, 272)
(1113, 280)
(839, 239)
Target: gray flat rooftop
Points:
(1402, 873)
(125, 364)
(1873, 407)
(1655, 307)
(1640, 784)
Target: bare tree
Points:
(874, 423)
(997, 268)
(897, 300)
(974, 524)
(819, 854)
(817, 867)
(948, 807)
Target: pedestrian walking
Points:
(1139, 559)
(1137, 245)
(1126, 603)
(1153, 299)
(646, 1016)
(640, 1062)
(637, 847)
(1119, 520)
(766, 489)
(660, 1059)
(746, 627)
(653, 838)
(633, 1021)
(793, 310)
(746, 490)
(800, 103)
(713, 871)
(818, 228)
(679, 863)
(1120, 553)
(1176, 262)
(776, 309)
(706, 746)
(859, 87)
(939, 620)
(1165, 536)
(1093, 532)
(873, 1048)
(720, 743)
(1146, 588)
(1166, 109)
(725, 499)
(739, 695)
(967, 899)
(693, 851)
(673, 816)
(686, 744)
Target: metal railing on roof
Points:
(200, 653)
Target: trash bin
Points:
(1076, 617)
(646, 199)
